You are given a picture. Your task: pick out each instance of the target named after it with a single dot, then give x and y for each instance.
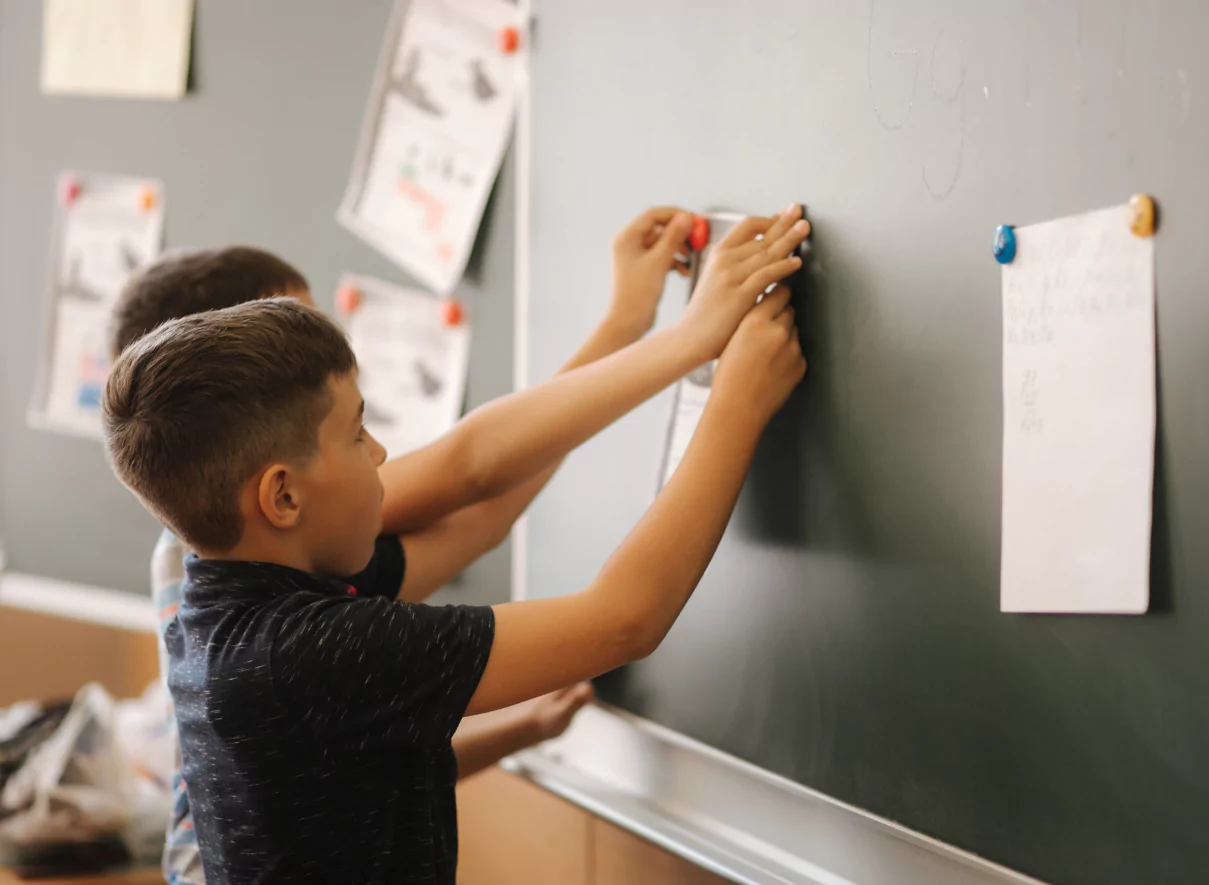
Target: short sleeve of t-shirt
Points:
(375, 672)
(384, 574)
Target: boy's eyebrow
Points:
(360, 412)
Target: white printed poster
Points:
(436, 132)
(116, 48)
(106, 227)
(1078, 416)
(413, 353)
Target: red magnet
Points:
(70, 190)
(348, 299)
(699, 238)
(148, 198)
(452, 313)
(509, 39)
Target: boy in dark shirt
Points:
(185, 283)
(315, 724)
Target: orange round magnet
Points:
(1141, 215)
(509, 39)
(699, 238)
(348, 299)
(452, 313)
(148, 198)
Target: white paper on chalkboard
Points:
(1079, 417)
(692, 392)
(435, 135)
(111, 226)
(117, 48)
(412, 365)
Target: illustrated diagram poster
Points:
(106, 227)
(438, 124)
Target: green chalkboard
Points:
(848, 634)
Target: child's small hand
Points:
(749, 259)
(763, 362)
(644, 251)
(551, 714)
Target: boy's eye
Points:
(361, 434)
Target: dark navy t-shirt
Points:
(315, 724)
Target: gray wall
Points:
(847, 634)
(259, 153)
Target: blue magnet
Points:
(1005, 244)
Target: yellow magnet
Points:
(1141, 215)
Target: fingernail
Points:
(790, 209)
(802, 227)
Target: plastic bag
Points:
(75, 786)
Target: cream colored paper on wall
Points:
(116, 48)
(1078, 417)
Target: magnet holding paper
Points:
(148, 198)
(1141, 215)
(70, 191)
(698, 238)
(452, 313)
(509, 39)
(1005, 244)
(348, 299)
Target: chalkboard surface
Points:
(848, 634)
(259, 152)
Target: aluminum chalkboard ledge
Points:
(732, 818)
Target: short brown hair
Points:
(193, 409)
(191, 282)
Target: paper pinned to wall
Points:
(1079, 417)
(118, 48)
(412, 361)
(106, 227)
(434, 137)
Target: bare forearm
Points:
(443, 550)
(482, 741)
(521, 435)
(656, 568)
(628, 609)
(447, 478)
(501, 512)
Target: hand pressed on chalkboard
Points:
(763, 362)
(749, 259)
(644, 252)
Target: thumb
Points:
(674, 235)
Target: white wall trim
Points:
(77, 602)
(523, 163)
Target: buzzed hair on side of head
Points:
(192, 282)
(195, 408)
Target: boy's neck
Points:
(277, 552)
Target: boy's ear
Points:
(278, 497)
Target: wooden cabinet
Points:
(621, 858)
(512, 832)
(43, 657)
